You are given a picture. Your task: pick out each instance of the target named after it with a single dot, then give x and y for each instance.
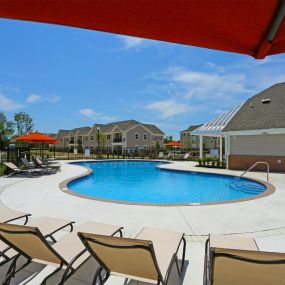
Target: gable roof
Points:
(255, 115)
(84, 131)
(62, 133)
(191, 128)
(154, 129)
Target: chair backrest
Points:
(186, 156)
(232, 266)
(26, 162)
(11, 166)
(160, 155)
(38, 160)
(128, 257)
(30, 242)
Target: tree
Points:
(24, 123)
(6, 130)
(157, 146)
(168, 139)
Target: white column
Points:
(201, 146)
(228, 150)
(221, 147)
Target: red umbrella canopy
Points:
(253, 27)
(37, 137)
(173, 143)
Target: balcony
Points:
(117, 140)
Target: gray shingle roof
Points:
(191, 128)
(124, 125)
(84, 131)
(153, 128)
(62, 133)
(255, 115)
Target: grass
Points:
(2, 169)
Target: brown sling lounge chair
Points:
(148, 258)
(68, 253)
(9, 215)
(48, 227)
(16, 170)
(231, 260)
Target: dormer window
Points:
(266, 101)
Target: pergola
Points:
(214, 128)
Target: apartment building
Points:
(129, 135)
(190, 141)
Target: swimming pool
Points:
(142, 182)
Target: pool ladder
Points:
(258, 162)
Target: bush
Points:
(2, 169)
(211, 162)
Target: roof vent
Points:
(266, 101)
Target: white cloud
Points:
(94, 116)
(89, 113)
(131, 42)
(53, 99)
(168, 108)
(209, 85)
(34, 98)
(7, 104)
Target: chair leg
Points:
(180, 269)
(96, 275)
(11, 271)
(51, 274)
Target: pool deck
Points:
(261, 218)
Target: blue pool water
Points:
(142, 182)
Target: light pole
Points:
(98, 138)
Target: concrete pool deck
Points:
(261, 218)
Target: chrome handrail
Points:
(256, 163)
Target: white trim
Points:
(276, 131)
(112, 131)
(137, 126)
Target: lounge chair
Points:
(8, 215)
(231, 260)
(53, 165)
(148, 258)
(16, 170)
(186, 156)
(68, 253)
(30, 166)
(48, 227)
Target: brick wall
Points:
(243, 162)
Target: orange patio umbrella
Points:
(253, 27)
(174, 144)
(37, 137)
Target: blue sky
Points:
(68, 77)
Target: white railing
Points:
(258, 162)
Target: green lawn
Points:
(2, 168)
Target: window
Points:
(145, 137)
(108, 137)
(136, 136)
(91, 138)
(86, 138)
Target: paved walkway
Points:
(262, 218)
